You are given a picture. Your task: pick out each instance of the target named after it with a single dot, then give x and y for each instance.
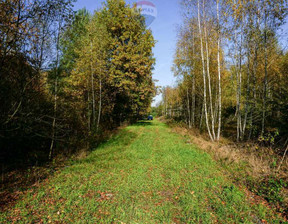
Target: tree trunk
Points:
(219, 76)
(88, 109)
(254, 74)
(193, 101)
(54, 118)
(100, 102)
(208, 76)
(55, 94)
(247, 103)
(188, 108)
(92, 89)
(239, 87)
(193, 85)
(266, 75)
(204, 74)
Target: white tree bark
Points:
(219, 75)
(204, 74)
(208, 75)
(92, 88)
(100, 101)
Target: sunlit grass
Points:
(145, 174)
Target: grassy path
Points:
(145, 174)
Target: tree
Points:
(27, 30)
(227, 61)
(111, 79)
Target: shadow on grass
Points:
(144, 123)
(17, 181)
(21, 180)
(117, 143)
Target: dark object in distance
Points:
(150, 118)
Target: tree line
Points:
(232, 70)
(67, 77)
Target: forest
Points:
(231, 64)
(69, 77)
(76, 89)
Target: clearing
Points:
(144, 174)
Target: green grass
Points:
(145, 174)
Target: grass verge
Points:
(248, 165)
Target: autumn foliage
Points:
(67, 77)
(231, 65)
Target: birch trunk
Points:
(219, 76)
(193, 85)
(239, 85)
(193, 101)
(247, 104)
(188, 108)
(100, 102)
(92, 88)
(266, 75)
(204, 74)
(208, 75)
(88, 110)
(254, 74)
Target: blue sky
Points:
(164, 31)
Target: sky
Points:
(164, 32)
